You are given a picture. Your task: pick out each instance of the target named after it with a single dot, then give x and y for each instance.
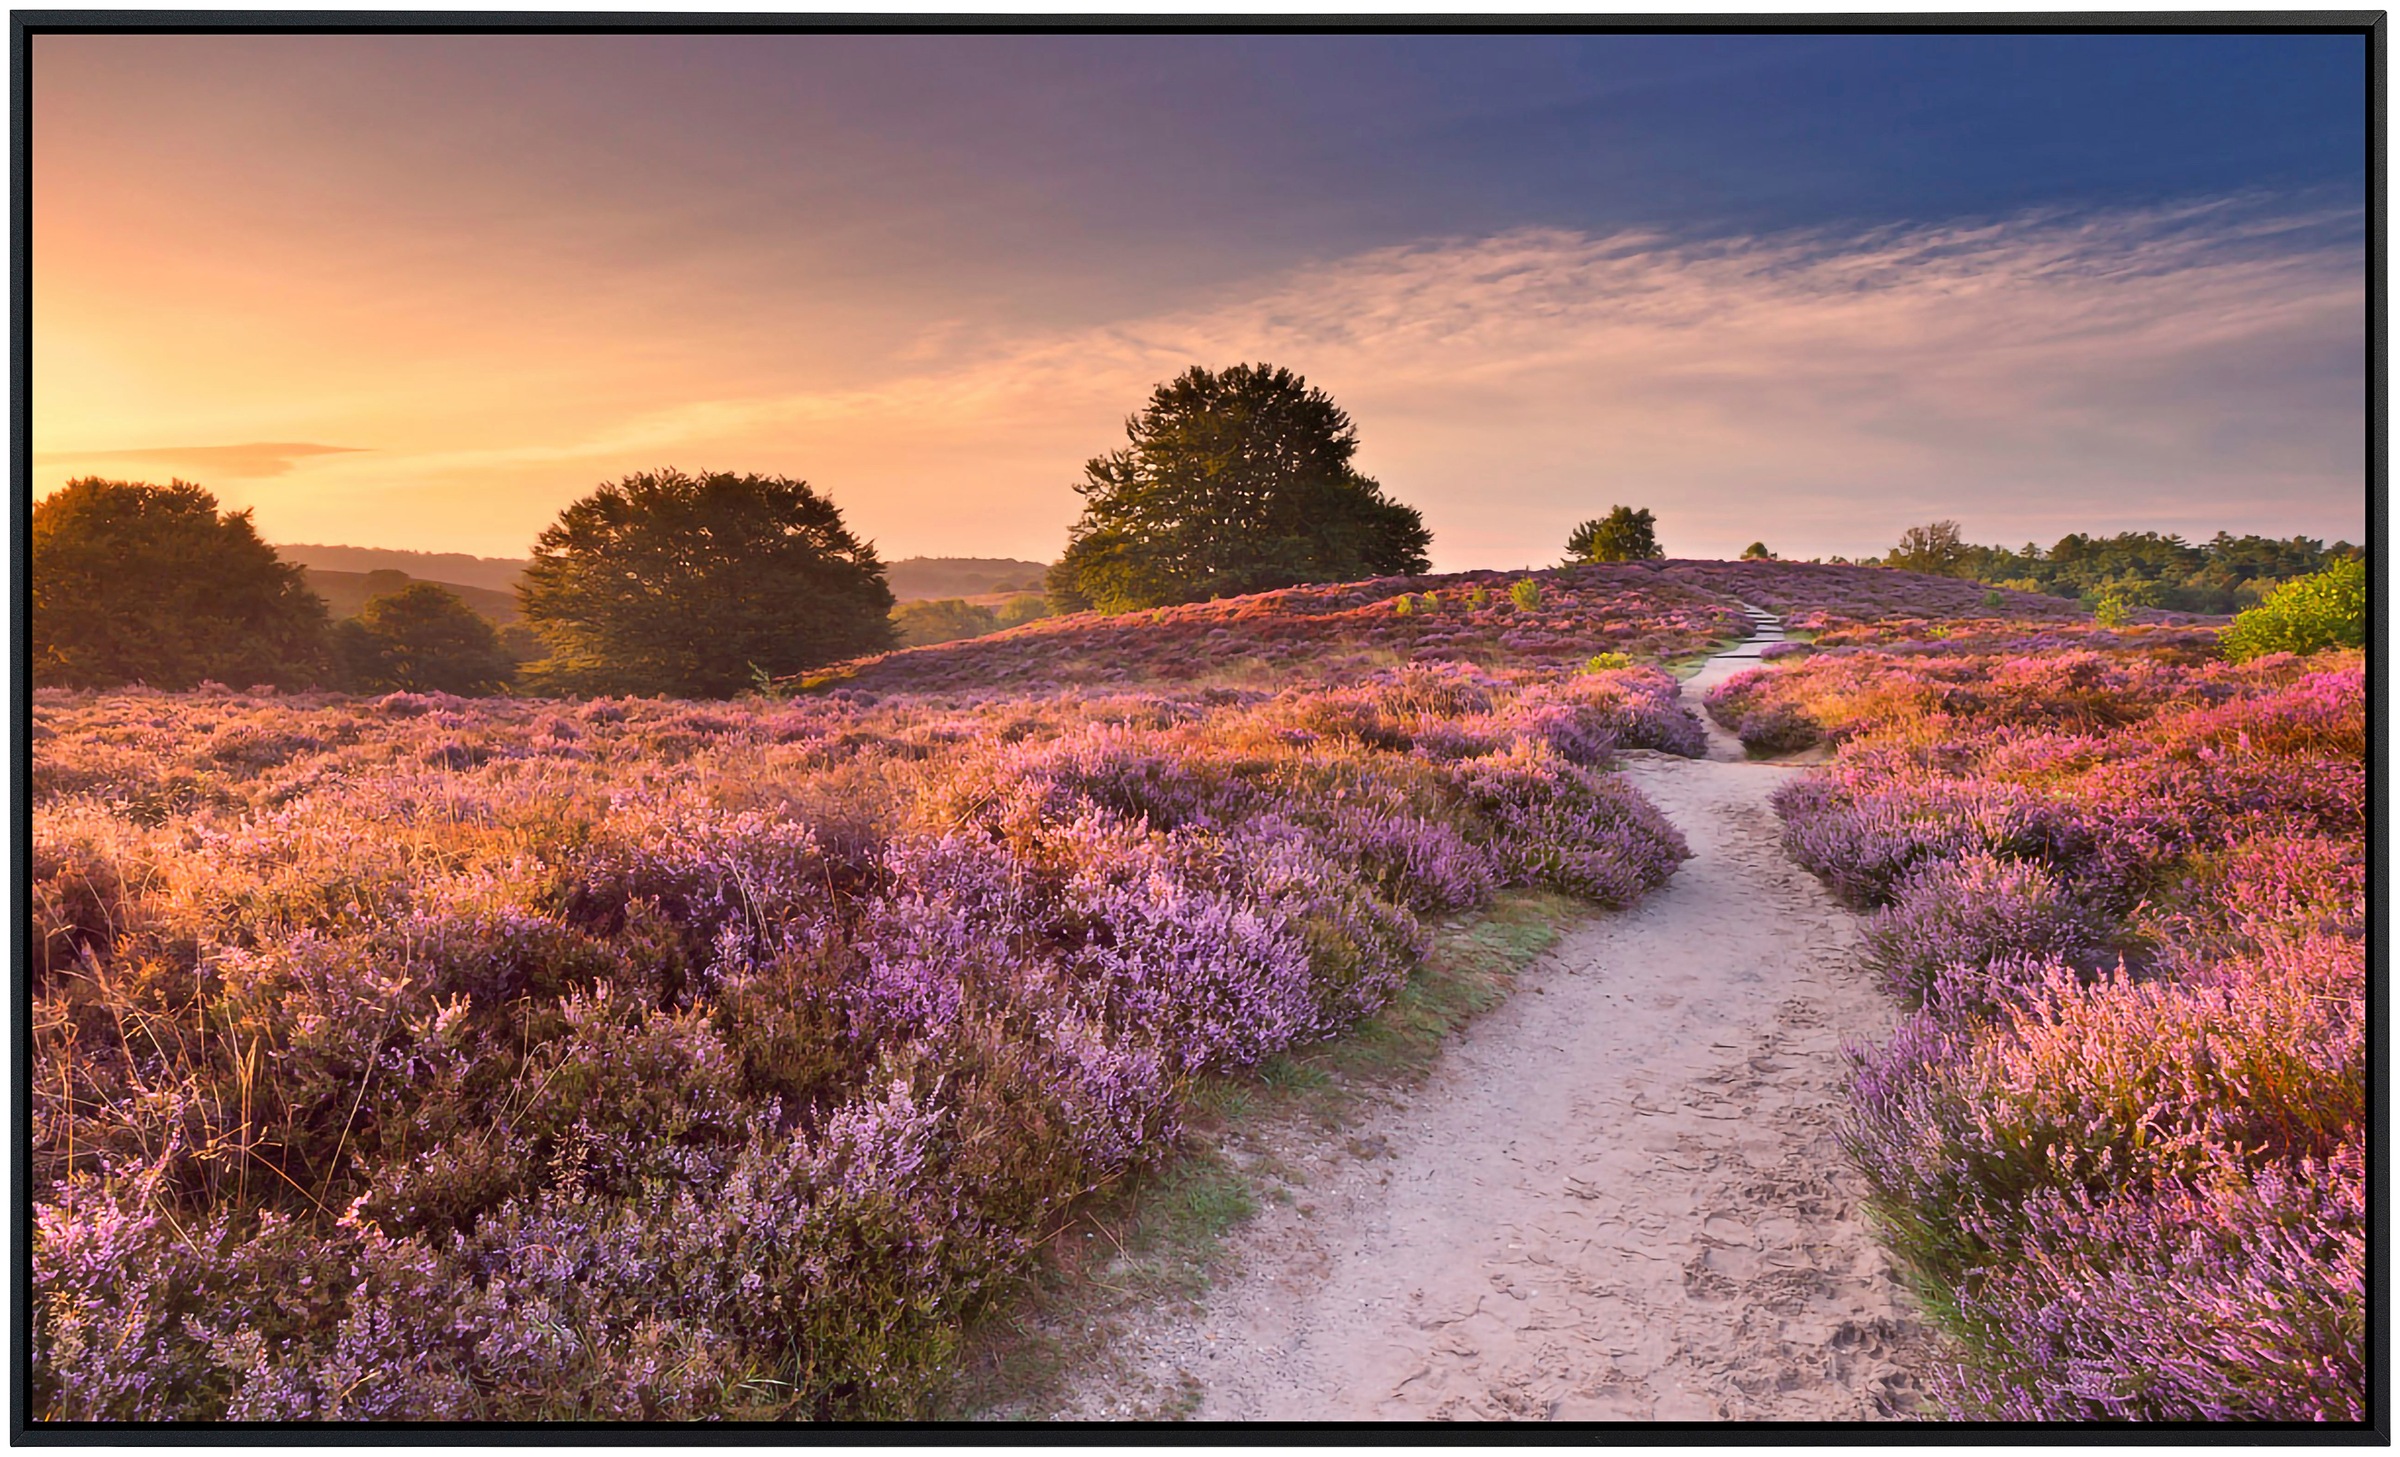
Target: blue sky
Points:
(1809, 287)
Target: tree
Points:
(946, 620)
(694, 585)
(1061, 590)
(1623, 535)
(1757, 552)
(1935, 548)
(423, 638)
(1233, 481)
(140, 583)
(1017, 611)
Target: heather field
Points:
(1555, 618)
(421, 1057)
(2120, 884)
(427, 1057)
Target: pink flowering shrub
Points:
(1973, 911)
(1764, 725)
(428, 1058)
(2119, 1140)
(2242, 1300)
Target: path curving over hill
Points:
(1619, 1197)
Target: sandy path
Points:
(1619, 1196)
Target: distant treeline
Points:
(2226, 573)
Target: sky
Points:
(423, 292)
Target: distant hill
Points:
(922, 578)
(497, 574)
(346, 592)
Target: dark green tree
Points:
(423, 638)
(1757, 552)
(692, 586)
(1623, 535)
(1060, 589)
(1237, 480)
(140, 583)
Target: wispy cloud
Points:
(257, 459)
(2180, 368)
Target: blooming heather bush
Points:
(1638, 708)
(2115, 1095)
(2131, 1194)
(430, 1058)
(1766, 726)
(1970, 912)
(2234, 1301)
(1570, 828)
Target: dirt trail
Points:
(1619, 1196)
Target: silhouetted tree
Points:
(1757, 552)
(1623, 535)
(140, 583)
(694, 586)
(1234, 481)
(423, 638)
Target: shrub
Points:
(1571, 829)
(2238, 1299)
(2326, 610)
(2125, 1193)
(1526, 593)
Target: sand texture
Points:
(1618, 1197)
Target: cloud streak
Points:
(250, 461)
(2180, 368)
